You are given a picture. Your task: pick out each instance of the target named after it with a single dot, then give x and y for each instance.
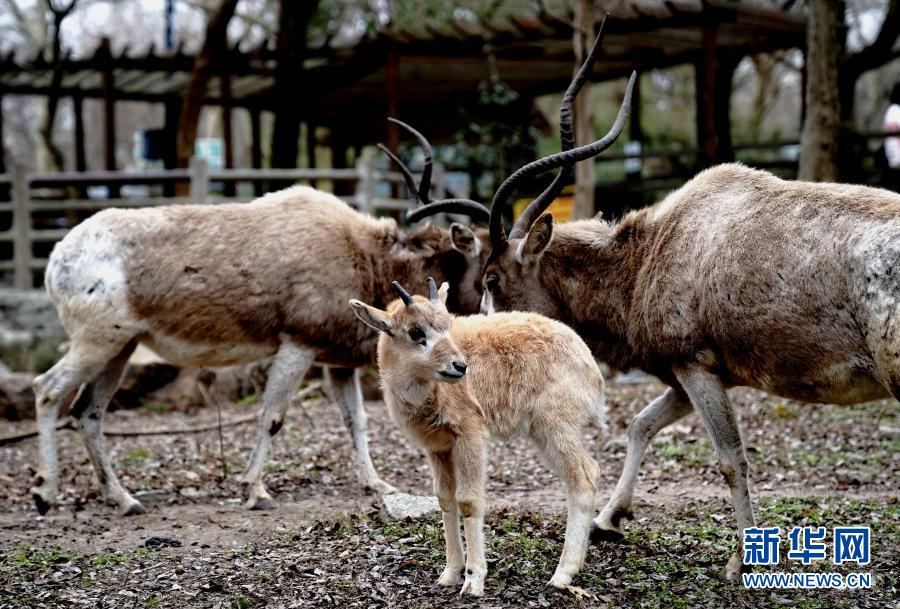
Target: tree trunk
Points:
(821, 129)
(585, 172)
(293, 18)
(210, 55)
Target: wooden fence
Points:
(200, 179)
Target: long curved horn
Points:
(422, 205)
(404, 295)
(575, 155)
(432, 289)
(565, 159)
(567, 141)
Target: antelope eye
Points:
(492, 283)
(416, 335)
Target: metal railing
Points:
(199, 178)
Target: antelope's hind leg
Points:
(83, 362)
(660, 413)
(344, 386)
(88, 410)
(563, 451)
(290, 365)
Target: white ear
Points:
(372, 317)
(464, 240)
(443, 291)
(536, 241)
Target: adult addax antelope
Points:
(736, 278)
(212, 285)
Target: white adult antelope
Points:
(206, 285)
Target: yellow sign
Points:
(562, 207)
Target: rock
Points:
(402, 505)
(30, 331)
(16, 396)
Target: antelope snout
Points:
(454, 371)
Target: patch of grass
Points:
(156, 407)
(248, 400)
(240, 602)
(692, 452)
(137, 457)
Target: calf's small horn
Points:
(404, 295)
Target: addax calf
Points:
(213, 285)
(450, 383)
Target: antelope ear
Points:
(464, 240)
(374, 318)
(443, 291)
(536, 241)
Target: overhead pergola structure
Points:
(425, 76)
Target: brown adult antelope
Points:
(209, 285)
(737, 278)
(451, 382)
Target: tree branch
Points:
(879, 52)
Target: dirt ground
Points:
(328, 543)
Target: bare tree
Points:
(821, 130)
(832, 74)
(293, 19)
(208, 60)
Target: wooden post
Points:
(586, 172)
(172, 108)
(705, 93)
(109, 116)
(635, 129)
(199, 190)
(225, 87)
(2, 148)
(365, 184)
(21, 226)
(311, 147)
(256, 147)
(78, 114)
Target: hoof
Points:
(133, 509)
(42, 506)
(262, 503)
(450, 577)
(734, 569)
(599, 535)
(471, 588)
(380, 488)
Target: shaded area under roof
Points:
(438, 71)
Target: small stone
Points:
(402, 505)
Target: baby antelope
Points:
(451, 382)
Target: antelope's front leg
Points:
(469, 464)
(711, 403)
(445, 491)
